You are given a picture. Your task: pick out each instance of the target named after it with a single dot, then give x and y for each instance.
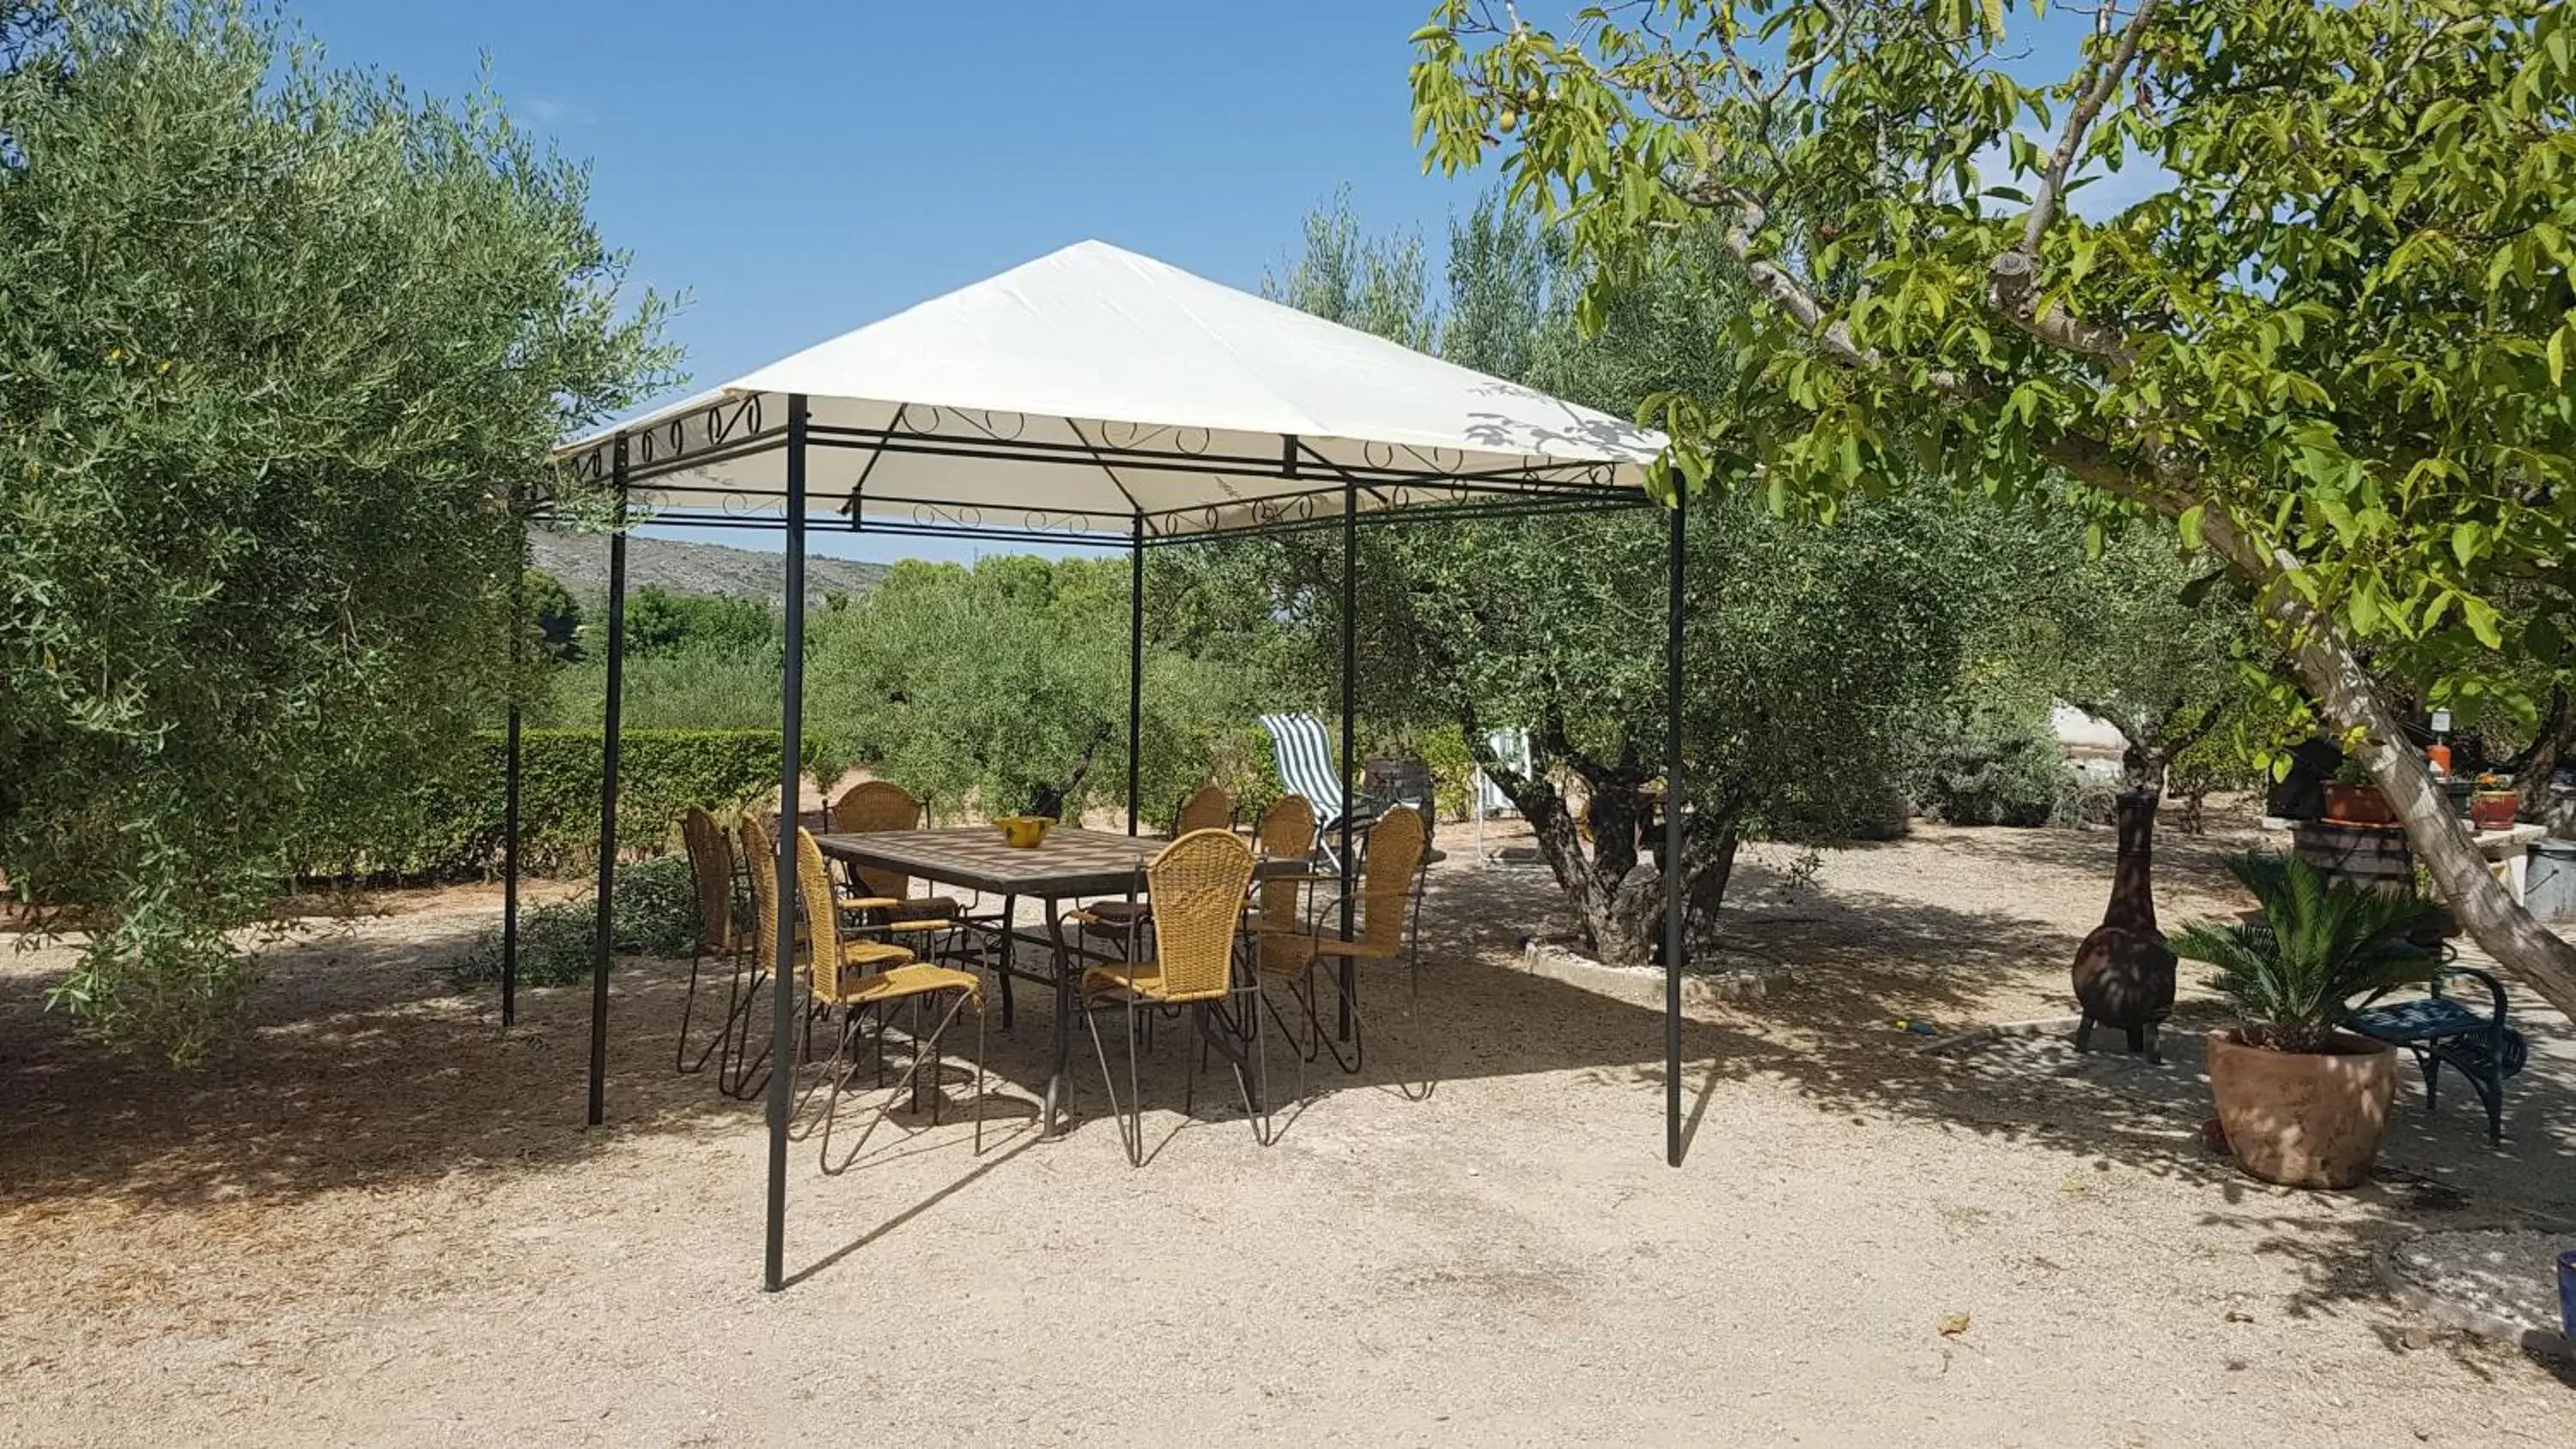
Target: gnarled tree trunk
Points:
(1615, 893)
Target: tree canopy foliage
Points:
(662, 623)
(1809, 652)
(1004, 684)
(553, 616)
(2329, 341)
(282, 351)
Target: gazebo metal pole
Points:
(791, 779)
(614, 708)
(510, 796)
(1135, 664)
(1350, 728)
(1673, 946)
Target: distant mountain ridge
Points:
(581, 562)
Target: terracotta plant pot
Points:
(2303, 1119)
(2494, 809)
(2358, 805)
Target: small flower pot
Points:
(2303, 1119)
(2358, 805)
(2494, 809)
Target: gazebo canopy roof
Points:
(1095, 391)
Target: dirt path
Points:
(380, 1221)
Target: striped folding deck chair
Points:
(1305, 755)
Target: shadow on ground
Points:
(365, 1068)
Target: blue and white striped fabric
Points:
(1306, 762)
(1306, 767)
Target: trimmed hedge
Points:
(449, 825)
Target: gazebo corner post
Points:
(1675, 950)
(510, 792)
(1350, 731)
(612, 710)
(791, 779)
(1135, 665)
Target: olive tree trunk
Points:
(1614, 890)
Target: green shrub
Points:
(654, 907)
(554, 948)
(450, 824)
(1991, 763)
(653, 911)
(697, 690)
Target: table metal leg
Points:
(1010, 908)
(1064, 1009)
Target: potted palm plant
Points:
(2302, 1099)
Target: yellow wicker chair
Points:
(1286, 832)
(861, 977)
(1208, 808)
(881, 902)
(760, 867)
(1196, 888)
(1387, 899)
(723, 935)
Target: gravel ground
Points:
(379, 1220)
(2506, 1276)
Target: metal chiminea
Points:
(2124, 972)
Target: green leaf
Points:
(2189, 523)
(2481, 618)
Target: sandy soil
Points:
(380, 1220)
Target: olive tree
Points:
(1809, 653)
(2329, 343)
(1004, 686)
(282, 353)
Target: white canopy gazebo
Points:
(1091, 396)
(1097, 394)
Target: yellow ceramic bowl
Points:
(1023, 832)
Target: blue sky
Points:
(800, 169)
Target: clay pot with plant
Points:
(2351, 798)
(2494, 804)
(2302, 1099)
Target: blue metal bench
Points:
(2439, 1029)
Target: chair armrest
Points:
(2495, 988)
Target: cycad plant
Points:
(2319, 951)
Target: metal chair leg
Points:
(1129, 1142)
(1190, 1088)
(688, 1007)
(909, 1083)
(1267, 1132)
(748, 1079)
(1262, 1002)
(1348, 993)
(725, 1033)
(981, 1017)
(836, 1073)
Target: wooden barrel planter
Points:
(2372, 855)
